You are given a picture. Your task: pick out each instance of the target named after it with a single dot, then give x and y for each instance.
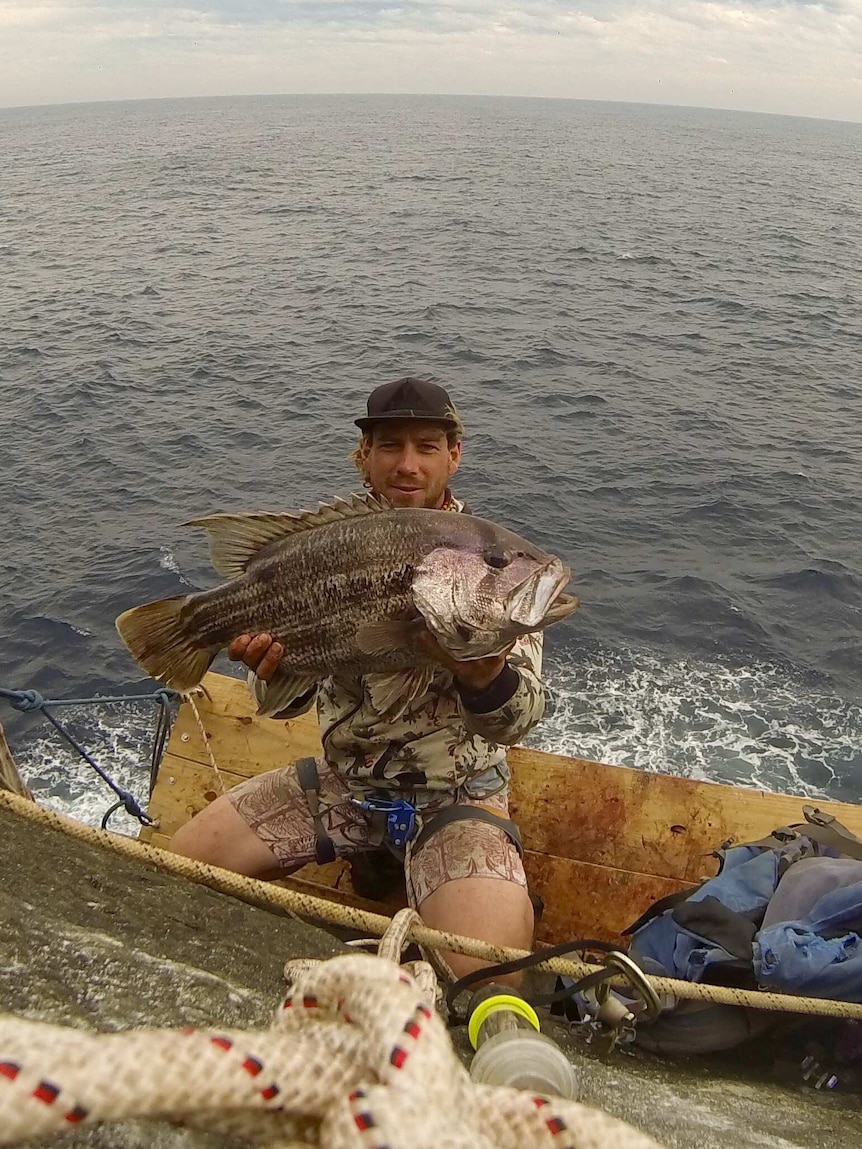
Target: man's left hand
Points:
(475, 675)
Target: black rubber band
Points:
(492, 697)
(488, 973)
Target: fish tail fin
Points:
(160, 643)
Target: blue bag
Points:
(783, 914)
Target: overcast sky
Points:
(764, 55)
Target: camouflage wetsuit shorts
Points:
(276, 808)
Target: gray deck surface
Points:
(88, 939)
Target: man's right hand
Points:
(260, 653)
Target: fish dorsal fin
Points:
(235, 540)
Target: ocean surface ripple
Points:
(650, 318)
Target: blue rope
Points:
(26, 700)
(30, 701)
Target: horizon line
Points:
(427, 96)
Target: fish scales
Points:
(354, 580)
(348, 590)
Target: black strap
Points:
(309, 780)
(824, 829)
(659, 907)
(460, 813)
(489, 973)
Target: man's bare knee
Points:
(219, 836)
(492, 910)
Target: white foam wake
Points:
(168, 562)
(753, 726)
(119, 739)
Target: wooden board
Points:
(565, 885)
(10, 779)
(602, 842)
(636, 820)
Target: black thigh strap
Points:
(309, 780)
(442, 818)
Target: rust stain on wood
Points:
(602, 842)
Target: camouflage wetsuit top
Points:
(447, 740)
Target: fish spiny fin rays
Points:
(281, 691)
(235, 540)
(390, 694)
(382, 637)
(157, 637)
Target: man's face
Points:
(410, 462)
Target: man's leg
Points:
(220, 836)
(468, 879)
(263, 827)
(496, 911)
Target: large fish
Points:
(347, 589)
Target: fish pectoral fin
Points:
(382, 637)
(390, 694)
(158, 639)
(236, 539)
(282, 691)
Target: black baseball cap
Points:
(409, 398)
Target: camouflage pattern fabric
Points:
(437, 745)
(275, 807)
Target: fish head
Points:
(476, 602)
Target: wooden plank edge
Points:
(10, 779)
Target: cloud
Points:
(778, 55)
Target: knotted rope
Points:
(356, 1058)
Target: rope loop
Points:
(356, 1057)
(133, 807)
(26, 700)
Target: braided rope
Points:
(292, 901)
(356, 1058)
(206, 741)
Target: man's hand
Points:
(260, 653)
(475, 675)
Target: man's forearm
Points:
(507, 710)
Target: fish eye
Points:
(497, 559)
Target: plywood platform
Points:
(601, 842)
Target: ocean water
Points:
(648, 316)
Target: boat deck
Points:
(601, 842)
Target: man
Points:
(445, 754)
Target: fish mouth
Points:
(539, 593)
(562, 606)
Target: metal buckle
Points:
(610, 1021)
(400, 817)
(817, 817)
(636, 978)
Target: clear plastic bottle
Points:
(510, 1049)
